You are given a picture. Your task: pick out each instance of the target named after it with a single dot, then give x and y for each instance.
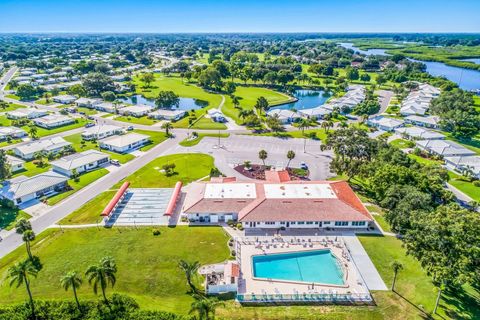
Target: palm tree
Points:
(102, 274)
(28, 236)
(396, 267)
(205, 307)
(19, 274)
(167, 126)
(262, 154)
(72, 279)
(22, 225)
(290, 156)
(236, 102)
(441, 287)
(3, 105)
(343, 124)
(33, 131)
(190, 269)
(243, 114)
(304, 124)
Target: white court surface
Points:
(143, 207)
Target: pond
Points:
(185, 103)
(474, 60)
(307, 99)
(467, 79)
(368, 52)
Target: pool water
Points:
(317, 266)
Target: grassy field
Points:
(194, 142)
(379, 217)
(402, 143)
(319, 133)
(90, 211)
(248, 97)
(31, 169)
(142, 120)
(9, 216)
(201, 122)
(464, 186)
(12, 106)
(44, 102)
(189, 167)
(414, 287)
(85, 180)
(147, 264)
(155, 138)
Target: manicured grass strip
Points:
(319, 134)
(12, 106)
(189, 167)
(414, 285)
(201, 123)
(90, 212)
(402, 143)
(194, 142)
(76, 140)
(44, 102)
(9, 216)
(85, 180)
(32, 169)
(42, 132)
(464, 186)
(147, 264)
(379, 217)
(142, 120)
(155, 136)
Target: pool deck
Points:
(250, 285)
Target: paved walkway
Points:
(364, 264)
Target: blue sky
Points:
(239, 16)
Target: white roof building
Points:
(12, 132)
(136, 110)
(427, 121)
(65, 99)
(53, 121)
(385, 123)
(23, 189)
(461, 163)
(167, 114)
(419, 133)
(87, 102)
(46, 145)
(284, 115)
(15, 163)
(125, 142)
(26, 113)
(444, 148)
(81, 162)
(101, 132)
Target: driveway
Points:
(384, 98)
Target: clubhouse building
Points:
(277, 202)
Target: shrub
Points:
(156, 232)
(476, 183)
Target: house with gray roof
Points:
(47, 145)
(81, 162)
(124, 143)
(444, 148)
(23, 189)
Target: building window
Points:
(326, 222)
(301, 222)
(309, 222)
(293, 222)
(269, 222)
(341, 223)
(358, 223)
(282, 223)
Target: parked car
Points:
(303, 166)
(90, 124)
(130, 128)
(115, 162)
(90, 118)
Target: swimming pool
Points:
(316, 266)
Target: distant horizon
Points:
(247, 16)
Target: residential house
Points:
(277, 202)
(64, 99)
(166, 114)
(23, 189)
(216, 115)
(80, 162)
(53, 121)
(285, 116)
(124, 143)
(445, 148)
(385, 123)
(427, 121)
(416, 133)
(464, 163)
(87, 102)
(11, 132)
(45, 146)
(15, 163)
(137, 111)
(101, 131)
(26, 113)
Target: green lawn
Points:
(147, 264)
(44, 102)
(90, 211)
(6, 143)
(425, 161)
(189, 167)
(76, 140)
(194, 142)
(155, 137)
(402, 143)
(319, 133)
(9, 216)
(85, 180)
(142, 120)
(12, 96)
(32, 169)
(248, 97)
(87, 111)
(465, 186)
(42, 132)
(201, 122)
(12, 106)
(379, 217)
(414, 285)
